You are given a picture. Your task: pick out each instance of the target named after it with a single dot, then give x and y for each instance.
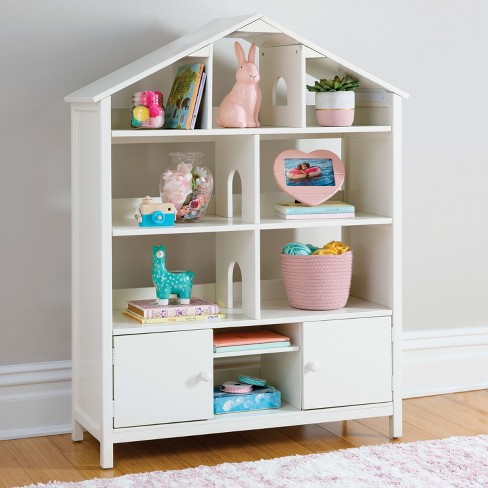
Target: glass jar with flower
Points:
(187, 184)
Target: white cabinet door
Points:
(346, 362)
(163, 377)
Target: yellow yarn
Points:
(333, 248)
(326, 251)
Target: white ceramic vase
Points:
(335, 109)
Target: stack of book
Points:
(243, 340)
(184, 99)
(150, 312)
(327, 210)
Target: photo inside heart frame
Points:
(311, 178)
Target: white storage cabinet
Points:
(134, 382)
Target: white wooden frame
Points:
(371, 150)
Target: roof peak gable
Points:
(241, 26)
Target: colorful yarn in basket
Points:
(318, 280)
(333, 248)
(296, 249)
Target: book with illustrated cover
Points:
(180, 105)
(150, 309)
(308, 216)
(329, 207)
(199, 99)
(166, 320)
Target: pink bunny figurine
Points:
(240, 107)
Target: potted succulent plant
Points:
(335, 100)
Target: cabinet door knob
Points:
(314, 366)
(205, 376)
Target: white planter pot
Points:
(335, 109)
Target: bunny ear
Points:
(252, 53)
(241, 57)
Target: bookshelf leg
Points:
(77, 431)
(395, 427)
(106, 455)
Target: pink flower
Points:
(177, 185)
(143, 98)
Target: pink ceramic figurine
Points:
(240, 107)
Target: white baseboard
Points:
(35, 399)
(444, 361)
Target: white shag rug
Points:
(460, 462)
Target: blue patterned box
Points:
(258, 399)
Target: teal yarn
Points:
(312, 248)
(296, 249)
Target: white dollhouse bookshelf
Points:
(134, 382)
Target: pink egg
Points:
(151, 97)
(143, 98)
(155, 109)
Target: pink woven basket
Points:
(317, 282)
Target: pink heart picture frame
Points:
(311, 178)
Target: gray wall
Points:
(429, 49)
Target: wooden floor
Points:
(41, 459)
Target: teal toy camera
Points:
(151, 214)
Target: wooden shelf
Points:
(286, 415)
(253, 352)
(266, 133)
(272, 312)
(270, 221)
(213, 223)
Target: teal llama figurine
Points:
(170, 282)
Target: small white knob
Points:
(314, 366)
(205, 376)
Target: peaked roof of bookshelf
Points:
(255, 28)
